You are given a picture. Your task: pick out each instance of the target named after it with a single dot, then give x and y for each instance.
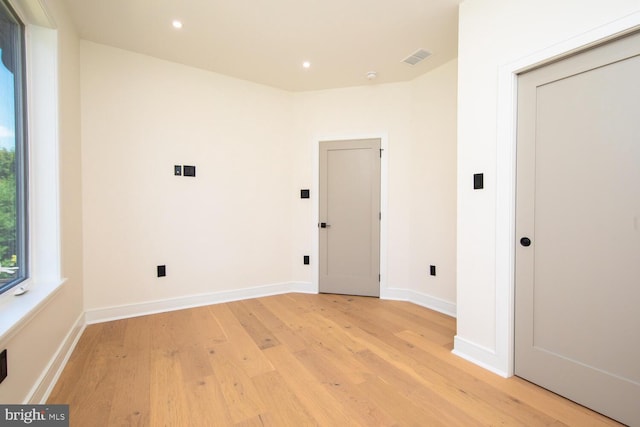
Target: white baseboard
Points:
(474, 353)
(159, 306)
(480, 355)
(424, 300)
(43, 387)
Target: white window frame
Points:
(21, 271)
(45, 280)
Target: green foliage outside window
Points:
(8, 257)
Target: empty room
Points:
(330, 213)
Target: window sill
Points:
(16, 311)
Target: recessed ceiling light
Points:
(176, 24)
(306, 64)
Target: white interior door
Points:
(578, 229)
(350, 217)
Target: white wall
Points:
(432, 182)
(36, 351)
(377, 110)
(228, 228)
(241, 223)
(418, 119)
(496, 39)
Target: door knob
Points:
(525, 241)
(324, 225)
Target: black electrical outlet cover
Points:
(3, 365)
(189, 170)
(304, 194)
(478, 181)
(306, 259)
(177, 170)
(432, 270)
(162, 270)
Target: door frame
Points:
(384, 192)
(501, 360)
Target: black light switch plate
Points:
(305, 260)
(478, 181)
(189, 170)
(162, 270)
(177, 170)
(304, 194)
(432, 270)
(3, 365)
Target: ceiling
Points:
(266, 41)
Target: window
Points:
(13, 219)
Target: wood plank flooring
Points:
(295, 360)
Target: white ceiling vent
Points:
(416, 57)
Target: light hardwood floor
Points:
(295, 360)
